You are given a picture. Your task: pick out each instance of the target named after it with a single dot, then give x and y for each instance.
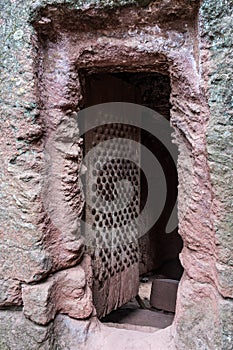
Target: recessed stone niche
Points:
(55, 286)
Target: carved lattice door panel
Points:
(113, 190)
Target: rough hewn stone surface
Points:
(18, 333)
(10, 292)
(200, 308)
(73, 334)
(201, 301)
(35, 240)
(67, 292)
(217, 34)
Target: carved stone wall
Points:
(45, 274)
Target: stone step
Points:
(163, 294)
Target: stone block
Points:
(163, 294)
(67, 292)
(10, 292)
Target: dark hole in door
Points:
(156, 251)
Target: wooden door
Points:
(114, 251)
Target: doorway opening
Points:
(134, 285)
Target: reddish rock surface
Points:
(43, 47)
(67, 292)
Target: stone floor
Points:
(132, 316)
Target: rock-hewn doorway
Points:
(117, 271)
